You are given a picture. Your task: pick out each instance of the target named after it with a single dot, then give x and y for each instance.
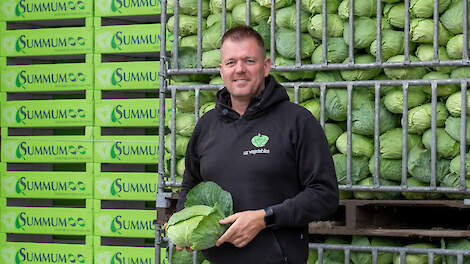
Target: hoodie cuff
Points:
(281, 216)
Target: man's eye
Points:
(229, 63)
(250, 61)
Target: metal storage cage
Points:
(169, 67)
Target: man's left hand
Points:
(246, 225)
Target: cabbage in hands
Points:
(197, 225)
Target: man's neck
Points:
(240, 105)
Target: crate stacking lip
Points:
(23, 10)
(127, 7)
(46, 41)
(50, 113)
(47, 220)
(126, 149)
(47, 184)
(27, 252)
(50, 149)
(126, 75)
(137, 186)
(47, 78)
(130, 112)
(129, 38)
(124, 222)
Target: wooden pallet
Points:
(398, 218)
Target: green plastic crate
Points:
(47, 41)
(129, 38)
(127, 75)
(47, 184)
(47, 220)
(50, 113)
(127, 7)
(47, 77)
(126, 254)
(125, 185)
(58, 149)
(123, 222)
(18, 10)
(25, 252)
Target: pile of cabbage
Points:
(363, 103)
(356, 257)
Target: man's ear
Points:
(220, 70)
(267, 66)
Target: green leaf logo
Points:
(115, 229)
(114, 45)
(18, 48)
(114, 118)
(17, 258)
(71, 5)
(113, 153)
(81, 77)
(18, 11)
(81, 41)
(18, 118)
(18, 82)
(113, 190)
(18, 188)
(114, 81)
(259, 140)
(81, 5)
(17, 223)
(113, 7)
(18, 153)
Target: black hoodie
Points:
(275, 154)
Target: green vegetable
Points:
(286, 44)
(363, 119)
(216, 5)
(459, 244)
(211, 58)
(189, 41)
(292, 75)
(390, 169)
(206, 108)
(362, 8)
(359, 168)
(392, 44)
(315, 6)
(334, 26)
(395, 14)
(181, 143)
(197, 225)
(404, 73)
(212, 37)
(328, 76)
(365, 30)
(257, 13)
(187, 25)
(419, 165)
(187, 58)
(332, 132)
(455, 165)
(417, 258)
(278, 3)
(447, 147)
(462, 72)
(337, 51)
(334, 256)
(215, 18)
(419, 118)
(185, 100)
(453, 180)
(443, 90)
(425, 52)
(360, 74)
(336, 102)
(375, 195)
(361, 145)
(393, 100)
(189, 7)
(265, 31)
(455, 46)
(391, 143)
(180, 166)
(452, 18)
(422, 31)
(304, 94)
(425, 8)
(454, 104)
(185, 257)
(184, 125)
(286, 18)
(453, 128)
(312, 256)
(313, 105)
(413, 182)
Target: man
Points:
(269, 153)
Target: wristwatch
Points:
(269, 217)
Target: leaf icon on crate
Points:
(18, 118)
(113, 6)
(18, 189)
(18, 82)
(18, 154)
(113, 190)
(18, 11)
(114, 119)
(17, 224)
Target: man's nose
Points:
(240, 67)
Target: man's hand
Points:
(246, 225)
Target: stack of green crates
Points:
(55, 204)
(125, 195)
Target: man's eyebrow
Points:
(243, 58)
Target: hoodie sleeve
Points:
(316, 173)
(191, 176)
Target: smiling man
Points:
(269, 153)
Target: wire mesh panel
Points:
(386, 80)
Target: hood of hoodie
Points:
(273, 94)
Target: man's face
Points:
(243, 68)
